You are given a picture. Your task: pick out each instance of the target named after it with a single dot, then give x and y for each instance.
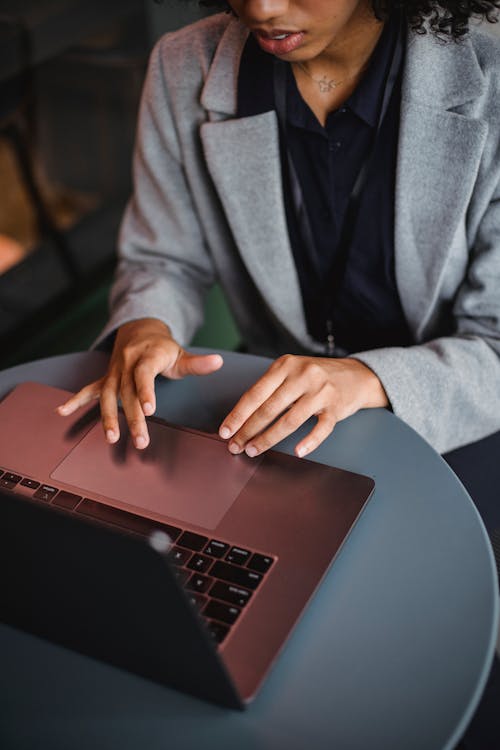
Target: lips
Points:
(279, 42)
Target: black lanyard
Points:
(351, 214)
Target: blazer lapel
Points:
(243, 158)
(439, 150)
(438, 158)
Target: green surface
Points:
(219, 329)
(66, 327)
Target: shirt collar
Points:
(366, 100)
(255, 84)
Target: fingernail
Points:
(63, 409)
(140, 442)
(110, 436)
(251, 451)
(225, 432)
(302, 451)
(234, 448)
(147, 408)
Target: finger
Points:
(288, 422)
(145, 372)
(197, 364)
(322, 429)
(109, 409)
(262, 424)
(251, 401)
(133, 412)
(82, 398)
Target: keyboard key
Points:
(9, 480)
(199, 583)
(200, 563)
(30, 483)
(179, 556)
(260, 563)
(219, 611)
(197, 600)
(6, 484)
(66, 500)
(125, 520)
(192, 541)
(217, 631)
(215, 548)
(231, 594)
(9, 477)
(46, 493)
(238, 556)
(234, 574)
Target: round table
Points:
(393, 651)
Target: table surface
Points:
(394, 650)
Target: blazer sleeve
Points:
(164, 269)
(448, 389)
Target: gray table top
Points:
(394, 651)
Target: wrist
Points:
(372, 391)
(143, 327)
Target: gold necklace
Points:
(326, 84)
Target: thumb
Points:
(198, 364)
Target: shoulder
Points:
(192, 47)
(454, 73)
(487, 49)
(487, 52)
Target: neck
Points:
(327, 80)
(351, 50)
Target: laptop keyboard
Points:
(219, 577)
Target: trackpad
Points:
(181, 475)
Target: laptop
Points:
(182, 562)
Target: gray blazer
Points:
(208, 206)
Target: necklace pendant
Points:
(326, 85)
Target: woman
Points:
(338, 171)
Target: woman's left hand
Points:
(294, 389)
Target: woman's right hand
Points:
(143, 349)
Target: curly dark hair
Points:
(444, 18)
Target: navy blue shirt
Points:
(365, 311)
